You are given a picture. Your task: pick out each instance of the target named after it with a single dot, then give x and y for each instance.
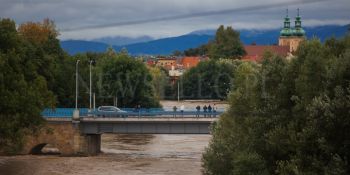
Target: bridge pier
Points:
(66, 137)
(90, 144)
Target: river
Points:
(122, 154)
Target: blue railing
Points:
(63, 112)
(129, 112)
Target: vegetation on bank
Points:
(209, 80)
(287, 116)
(36, 73)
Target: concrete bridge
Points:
(83, 136)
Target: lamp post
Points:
(76, 84)
(76, 111)
(90, 99)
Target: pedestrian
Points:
(182, 108)
(139, 109)
(205, 110)
(209, 110)
(174, 109)
(198, 110)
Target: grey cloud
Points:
(159, 18)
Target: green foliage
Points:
(127, 79)
(199, 51)
(287, 117)
(208, 80)
(226, 44)
(35, 73)
(23, 88)
(160, 81)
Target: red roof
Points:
(255, 53)
(189, 62)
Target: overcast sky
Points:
(89, 19)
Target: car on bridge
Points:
(110, 111)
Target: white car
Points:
(110, 111)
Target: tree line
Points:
(287, 116)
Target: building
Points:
(292, 37)
(189, 62)
(256, 52)
(288, 42)
(182, 65)
(166, 63)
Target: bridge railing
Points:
(63, 112)
(130, 112)
(157, 114)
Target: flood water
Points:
(122, 154)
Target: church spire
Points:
(298, 12)
(286, 31)
(298, 31)
(287, 20)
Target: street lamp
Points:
(90, 99)
(76, 83)
(76, 111)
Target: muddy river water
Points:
(122, 154)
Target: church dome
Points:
(286, 31)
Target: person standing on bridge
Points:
(205, 110)
(209, 110)
(198, 110)
(139, 109)
(174, 109)
(182, 108)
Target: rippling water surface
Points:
(122, 154)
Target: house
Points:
(166, 63)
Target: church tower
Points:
(292, 37)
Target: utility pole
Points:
(76, 110)
(76, 83)
(90, 99)
(94, 102)
(178, 91)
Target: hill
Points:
(80, 46)
(166, 46)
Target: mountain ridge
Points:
(193, 39)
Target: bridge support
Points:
(90, 144)
(66, 137)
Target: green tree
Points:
(23, 89)
(287, 117)
(226, 44)
(127, 79)
(159, 81)
(199, 51)
(208, 80)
